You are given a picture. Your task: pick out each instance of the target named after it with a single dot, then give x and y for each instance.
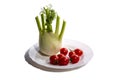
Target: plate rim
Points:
(43, 67)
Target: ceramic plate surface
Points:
(35, 58)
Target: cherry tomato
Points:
(64, 51)
(74, 59)
(60, 56)
(78, 52)
(63, 61)
(54, 59)
(71, 53)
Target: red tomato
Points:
(63, 61)
(74, 59)
(71, 53)
(64, 51)
(78, 52)
(60, 56)
(54, 59)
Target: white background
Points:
(93, 22)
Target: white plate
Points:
(40, 61)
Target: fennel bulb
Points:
(50, 41)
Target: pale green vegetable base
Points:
(49, 44)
